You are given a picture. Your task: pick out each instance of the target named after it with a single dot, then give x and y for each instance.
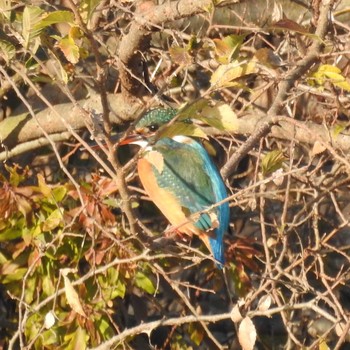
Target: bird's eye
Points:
(153, 127)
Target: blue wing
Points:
(190, 174)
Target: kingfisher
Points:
(181, 179)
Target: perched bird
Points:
(183, 182)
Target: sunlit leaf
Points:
(225, 75)
(5, 8)
(182, 128)
(272, 161)
(7, 51)
(338, 128)
(236, 315)
(79, 340)
(328, 73)
(9, 234)
(54, 220)
(32, 15)
(70, 49)
(317, 148)
(190, 111)
(54, 18)
(87, 8)
(196, 333)
(144, 282)
(221, 116)
(58, 193)
(247, 334)
(43, 186)
(227, 48)
(323, 345)
(72, 297)
(265, 302)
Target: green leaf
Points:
(17, 275)
(190, 111)
(119, 290)
(104, 327)
(54, 220)
(15, 176)
(54, 18)
(10, 234)
(87, 8)
(12, 124)
(78, 340)
(196, 332)
(58, 193)
(44, 188)
(7, 51)
(32, 15)
(225, 75)
(144, 282)
(338, 128)
(272, 161)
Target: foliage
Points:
(80, 267)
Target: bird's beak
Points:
(132, 139)
(135, 139)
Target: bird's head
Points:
(147, 127)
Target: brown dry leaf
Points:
(156, 159)
(247, 334)
(317, 148)
(73, 297)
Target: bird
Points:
(181, 179)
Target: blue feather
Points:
(191, 175)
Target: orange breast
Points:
(167, 202)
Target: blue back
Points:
(190, 174)
(220, 193)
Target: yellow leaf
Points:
(73, 297)
(70, 49)
(182, 128)
(221, 116)
(328, 73)
(323, 345)
(225, 75)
